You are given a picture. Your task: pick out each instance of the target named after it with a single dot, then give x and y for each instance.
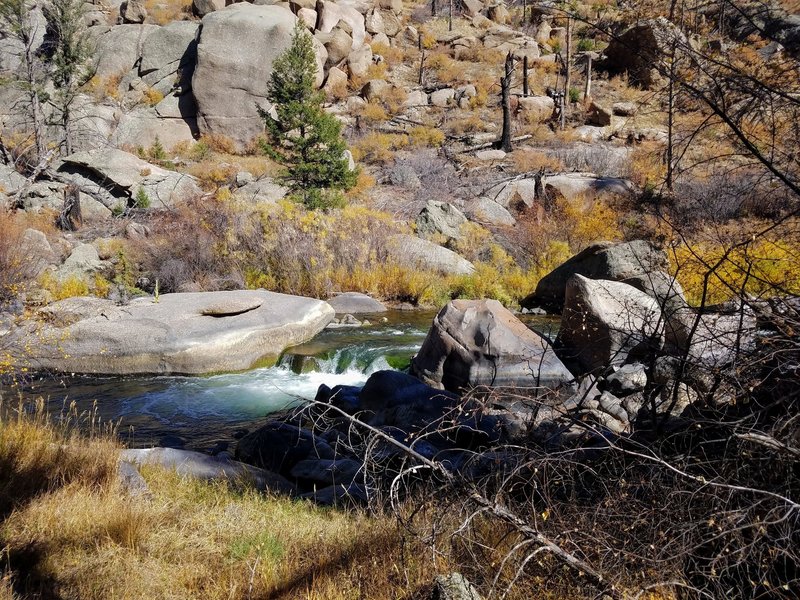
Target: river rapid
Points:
(209, 413)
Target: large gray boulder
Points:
(141, 126)
(235, 53)
(606, 322)
(632, 262)
(118, 48)
(488, 212)
(415, 253)
(170, 50)
(190, 333)
(479, 342)
(440, 218)
(207, 468)
(115, 178)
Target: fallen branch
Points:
(496, 509)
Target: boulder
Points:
(328, 15)
(37, 251)
(205, 467)
(133, 11)
(355, 303)
(168, 51)
(327, 471)
(603, 260)
(488, 212)
(712, 338)
(235, 52)
(598, 115)
(589, 185)
(354, 22)
(401, 405)
(536, 108)
(443, 97)
(641, 49)
(200, 8)
(627, 379)
(472, 7)
(415, 253)
(263, 190)
(308, 16)
(174, 335)
(606, 322)
(118, 48)
(141, 126)
(336, 83)
(279, 446)
(118, 176)
(82, 262)
(440, 218)
(359, 61)
(375, 90)
(498, 13)
(625, 109)
(374, 24)
(338, 45)
(481, 343)
(490, 155)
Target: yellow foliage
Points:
(218, 142)
(584, 224)
(713, 273)
(471, 124)
(162, 12)
(64, 288)
(379, 147)
(364, 183)
(152, 96)
(526, 161)
(392, 55)
(373, 113)
(103, 88)
(426, 137)
(647, 167)
(445, 69)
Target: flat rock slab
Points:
(205, 467)
(190, 333)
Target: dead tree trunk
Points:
(567, 77)
(421, 60)
(505, 97)
(525, 76)
(587, 90)
(70, 218)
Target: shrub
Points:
(585, 44)
(373, 113)
(379, 147)
(16, 266)
(141, 200)
(421, 136)
(68, 287)
(152, 96)
(218, 142)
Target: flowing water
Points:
(206, 413)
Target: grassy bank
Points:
(69, 530)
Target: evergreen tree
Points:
(68, 49)
(305, 139)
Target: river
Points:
(208, 413)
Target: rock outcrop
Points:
(115, 178)
(633, 262)
(604, 323)
(235, 52)
(190, 333)
(415, 253)
(481, 343)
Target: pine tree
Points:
(305, 139)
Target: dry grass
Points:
(68, 526)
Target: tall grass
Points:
(69, 528)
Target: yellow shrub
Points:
(364, 183)
(105, 87)
(379, 147)
(392, 55)
(647, 167)
(470, 124)
(218, 142)
(162, 12)
(64, 288)
(152, 96)
(373, 113)
(526, 161)
(426, 137)
(444, 68)
(763, 267)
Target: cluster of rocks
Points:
(627, 343)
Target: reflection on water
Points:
(201, 412)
